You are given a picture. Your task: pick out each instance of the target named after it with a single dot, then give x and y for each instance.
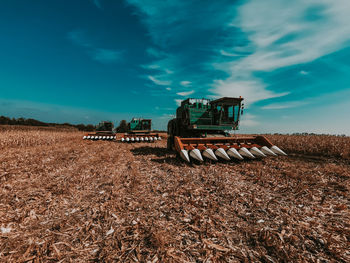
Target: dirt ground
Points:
(63, 199)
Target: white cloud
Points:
(159, 82)
(185, 93)
(284, 105)
(285, 36)
(282, 36)
(251, 90)
(151, 66)
(303, 72)
(228, 54)
(167, 116)
(275, 34)
(248, 120)
(178, 102)
(185, 83)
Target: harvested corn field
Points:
(63, 199)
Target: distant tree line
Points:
(308, 134)
(32, 122)
(123, 125)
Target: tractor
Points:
(207, 128)
(104, 131)
(139, 130)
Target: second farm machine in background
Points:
(140, 130)
(104, 131)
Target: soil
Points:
(74, 200)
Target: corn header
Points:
(203, 128)
(139, 130)
(104, 131)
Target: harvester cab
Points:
(140, 130)
(204, 127)
(105, 126)
(104, 131)
(138, 125)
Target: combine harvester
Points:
(104, 131)
(202, 128)
(139, 130)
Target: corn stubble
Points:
(64, 199)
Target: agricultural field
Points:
(63, 199)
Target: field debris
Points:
(63, 199)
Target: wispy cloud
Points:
(249, 120)
(97, 3)
(185, 93)
(153, 52)
(185, 83)
(285, 105)
(159, 82)
(282, 37)
(79, 38)
(151, 66)
(303, 72)
(167, 116)
(254, 38)
(107, 55)
(228, 54)
(102, 55)
(251, 89)
(178, 102)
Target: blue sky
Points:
(91, 60)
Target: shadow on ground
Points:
(165, 155)
(148, 150)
